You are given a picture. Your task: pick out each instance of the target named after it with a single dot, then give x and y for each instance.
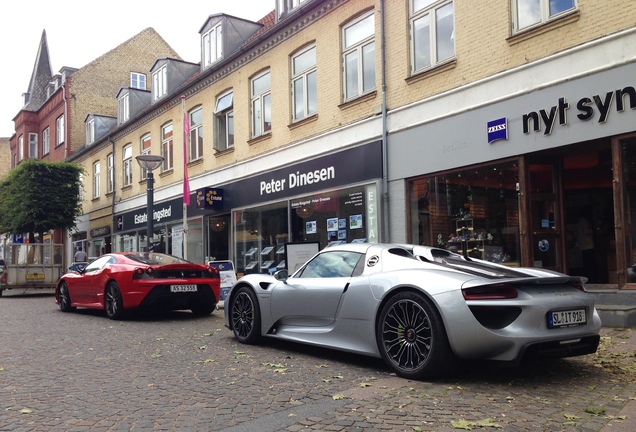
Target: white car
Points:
(419, 308)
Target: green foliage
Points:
(38, 196)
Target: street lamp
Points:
(149, 163)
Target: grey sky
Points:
(79, 32)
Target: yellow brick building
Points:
(356, 120)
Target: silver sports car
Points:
(421, 309)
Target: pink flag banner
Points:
(186, 180)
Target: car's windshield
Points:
(153, 258)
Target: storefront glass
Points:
(474, 210)
(341, 216)
(628, 149)
(259, 234)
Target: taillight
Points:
(213, 271)
(143, 273)
(490, 292)
(3, 278)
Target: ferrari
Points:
(122, 281)
(421, 309)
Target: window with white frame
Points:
(138, 80)
(21, 147)
(110, 174)
(167, 145)
(46, 141)
(305, 96)
(212, 45)
(145, 145)
(528, 13)
(81, 187)
(90, 131)
(359, 56)
(123, 109)
(195, 149)
(127, 163)
(96, 179)
(284, 7)
(432, 33)
(261, 105)
(160, 82)
(59, 131)
(224, 121)
(33, 145)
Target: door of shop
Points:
(545, 216)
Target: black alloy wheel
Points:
(114, 302)
(64, 298)
(245, 316)
(412, 339)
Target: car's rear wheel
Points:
(64, 298)
(114, 302)
(245, 316)
(411, 337)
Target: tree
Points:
(38, 196)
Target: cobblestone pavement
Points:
(82, 372)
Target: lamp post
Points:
(149, 163)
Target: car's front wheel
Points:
(245, 316)
(114, 302)
(64, 298)
(411, 337)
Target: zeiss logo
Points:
(497, 130)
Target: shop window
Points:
(260, 235)
(628, 149)
(473, 211)
(326, 218)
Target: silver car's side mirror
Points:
(281, 275)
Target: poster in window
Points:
(355, 221)
(342, 234)
(310, 227)
(342, 223)
(297, 254)
(332, 224)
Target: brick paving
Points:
(83, 372)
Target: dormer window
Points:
(212, 45)
(160, 82)
(138, 80)
(284, 7)
(123, 109)
(90, 131)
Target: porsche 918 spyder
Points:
(121, 281)
(421, 309)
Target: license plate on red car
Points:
(183, 288)
(566, 318)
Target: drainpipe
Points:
(66, 143)
(385, 182)
(113, 200)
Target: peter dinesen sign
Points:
(296, 179)
(586, 108)
(350, 166)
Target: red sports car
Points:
(120, 281)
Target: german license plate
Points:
(183, 288)
(35, 276)
(566, 318)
